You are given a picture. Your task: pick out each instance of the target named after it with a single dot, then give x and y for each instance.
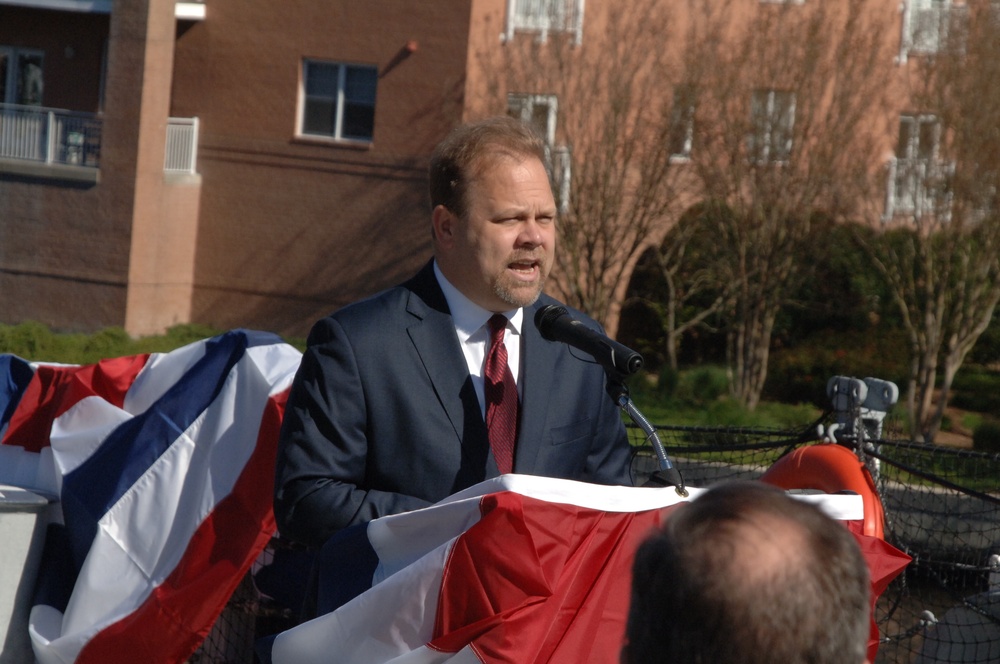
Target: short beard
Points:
(523, 296)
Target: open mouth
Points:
(525, 269)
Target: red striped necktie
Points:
(501, 397)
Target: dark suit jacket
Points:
(382, 417)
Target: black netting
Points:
(942, 507)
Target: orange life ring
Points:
(830, 468)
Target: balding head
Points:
(747, 574)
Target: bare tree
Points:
(759, 111)
(784, 132)
(679, 281)
(942, 256)
(611, 158)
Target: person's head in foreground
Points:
(746, 574)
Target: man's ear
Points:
(444, 223)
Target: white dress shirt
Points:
(473, 334)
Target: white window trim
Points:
(562, 175)
(543, 28)
(920, 201)
(762, 154)
(558, 158)
(337, 135)
(911, 10)
(526, 103)
(688, 126)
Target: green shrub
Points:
(109, 342)
(976, 389)
(971, 420)
(800, 374)
(703, 385)
(35, 342)
(29, 340)
(667, 382)
(175, 337)
(986, 436)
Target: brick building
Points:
(232, 163)
(258, 164)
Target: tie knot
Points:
(497, 324)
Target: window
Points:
(545, 16)
(772, 116)
(916, 169)
(21, 76)
(681, 130)
(338, 100)
(541, 112)
(926, 25)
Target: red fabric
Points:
(169, 626)
(885, 562)
(535, 581)
(501, 397)
(55, 389)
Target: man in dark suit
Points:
(391, 409)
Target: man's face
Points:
(500, 254)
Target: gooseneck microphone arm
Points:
(619, 362)
(667, 475)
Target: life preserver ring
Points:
(830, 468)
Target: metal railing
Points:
(918, 187)
(181, 154)
(53, 136)
(50, 136)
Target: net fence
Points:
(942, 507)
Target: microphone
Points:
(555, 324)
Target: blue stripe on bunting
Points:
(89, 491)
(15, 374)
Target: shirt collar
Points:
(469, 317)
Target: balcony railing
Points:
(49, 136)
(918, 187)
(56, 137)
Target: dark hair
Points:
(468, 148)
(745, 574)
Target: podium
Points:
(518, 568)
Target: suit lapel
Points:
(432, 333)
(538, 367)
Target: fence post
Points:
(50, 147)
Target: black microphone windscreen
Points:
(546, 316)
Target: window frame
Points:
(682, 119)
(775, 124)
(521, 105)
(559, 159)
(916, 38)
(914, 165)
(558, 16)
(10, 92)
(339, 101)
